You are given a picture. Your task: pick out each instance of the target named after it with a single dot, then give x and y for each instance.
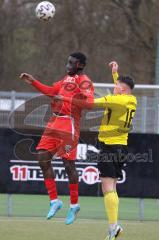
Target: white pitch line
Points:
(62, 220)
(36, 219)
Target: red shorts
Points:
(60, 137)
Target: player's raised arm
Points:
(104, 101)
(114, 66)
(47, 90)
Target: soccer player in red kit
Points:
(62, 131)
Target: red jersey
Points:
(77, 86)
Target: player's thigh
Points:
(44, 155)
(48, 146)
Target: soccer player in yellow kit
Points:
(119, 111)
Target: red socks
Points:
(73, 193)
(51, 188)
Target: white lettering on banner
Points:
(89, 174)
(34, 173)
(124, 177)
(82, 151)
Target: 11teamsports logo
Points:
(90, 175)
(31, 172)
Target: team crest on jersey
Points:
(70, 83)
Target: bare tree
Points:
(104, 30)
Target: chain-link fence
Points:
(15, 106)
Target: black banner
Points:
(20, 172)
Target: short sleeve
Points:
(100, 102)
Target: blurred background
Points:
(125, 31)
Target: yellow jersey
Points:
(117, 119)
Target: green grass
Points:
(91, 207)
(29, 222)
(40, 229)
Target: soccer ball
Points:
(45, 10)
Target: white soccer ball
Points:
(45, 10)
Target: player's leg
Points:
(44, 158)
(111, 203)
(109, 186)
(108, 175)
(73, 180)
(116, 193)
(110, 200)
(73, 187)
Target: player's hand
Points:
(114, 66)
(27, 78)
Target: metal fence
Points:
(12, 205)
(23, 110)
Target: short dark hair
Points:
(80, 56)
(127, 80)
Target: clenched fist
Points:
(114, 65)
(27, 78)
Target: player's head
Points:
(125, 85)
(75, 63)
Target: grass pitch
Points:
(28, 221)
(55, 229)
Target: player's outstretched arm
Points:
(100, 102)
(49, 91)
(114, 67)
(84, 102)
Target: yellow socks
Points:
(111, 202)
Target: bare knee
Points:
(108, 184)
(71, 171)
(44, 159)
